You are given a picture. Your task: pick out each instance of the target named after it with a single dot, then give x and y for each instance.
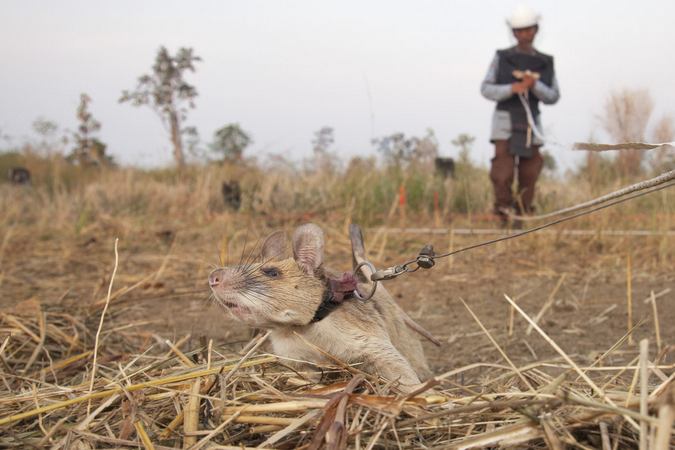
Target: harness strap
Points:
(337, 290)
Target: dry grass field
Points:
(166, 354)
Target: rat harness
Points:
(337, 290)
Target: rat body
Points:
(283, 294)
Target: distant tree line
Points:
(166, 91)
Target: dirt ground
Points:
(161, 286)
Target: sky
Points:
(284, 69)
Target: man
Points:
(518, 75)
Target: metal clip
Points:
(373, 289)
(388, 274)
(425, 259)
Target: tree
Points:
(168, 94)
(625, 119)
(323, 160)
(192, 141)
(5, 137)
(231, 141)
(48, 130)
(89, 150)
(398, 150)
(322, 141)
(395, 148)
(464, 142)
(45, 127)
(426, 149)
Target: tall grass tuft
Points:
(73, 197)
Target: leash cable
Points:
(427, 258)
(646, 184)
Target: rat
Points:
(295, 298)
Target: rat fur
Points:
(282, 293)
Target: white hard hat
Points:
(523, 17)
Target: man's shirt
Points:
(501, 120)
(498, 92)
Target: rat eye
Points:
(271, 272)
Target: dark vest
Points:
(509, 60)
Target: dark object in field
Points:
(92, 240)
(167, 236)
(231, 194)
(19, 175)
(445, 167)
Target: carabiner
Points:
(357, 294)
(389, 273)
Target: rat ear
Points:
(274, 247)
(308, 247)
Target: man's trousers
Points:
(502, 173)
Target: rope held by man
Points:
(642, 185)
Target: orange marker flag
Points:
(401, 196)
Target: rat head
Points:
(277, 289)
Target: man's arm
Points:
(547, 95)
(490, 89)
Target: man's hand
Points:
(519, 87)
(529, 80)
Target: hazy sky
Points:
(283, 69)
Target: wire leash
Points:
(427, 258)
(663, 178)
(642, 185)
(505, 231)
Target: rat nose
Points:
(216, 277)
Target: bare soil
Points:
(161, 287)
